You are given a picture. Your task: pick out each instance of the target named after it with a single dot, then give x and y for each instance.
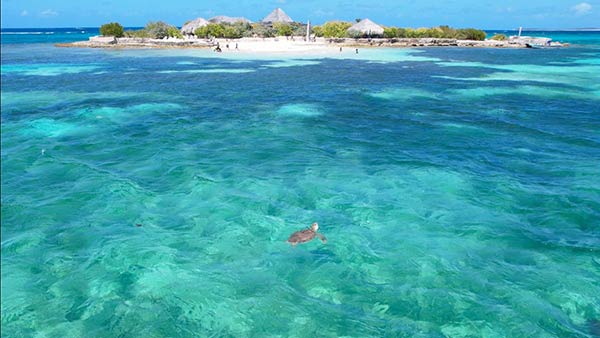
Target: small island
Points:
(277, 32)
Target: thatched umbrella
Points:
(190, 27)
(228, 19)
(277, 15)
(365, 27)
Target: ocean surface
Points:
(459, 190)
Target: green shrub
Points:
(298, 29)
(230, 32)
(435, 32)
(448, 32)
(137, 34)
(498, 37)
(395, 32)
(201, 32)
(243, 28)
(471, 34)
(158, 29)
(402, 33)
(336, 29)
(390, 32)
(261, 30)
(421, 32)
(283, 29)
(214, 30)
(411, 33)
(237, 30)
(317, 31)
(112, 29)
(155, 30)
(442, 32)
(174, 32)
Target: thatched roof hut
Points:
(191, 26)
(277, 16)
(228, 19)
(365, 27)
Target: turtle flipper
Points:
(322, 238)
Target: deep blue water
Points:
(49, 35)
(459, 190)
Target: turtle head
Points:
(315, 226)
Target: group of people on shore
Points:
(356, 50)
(219, 50)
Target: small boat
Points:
(535, 42)
(543, 46)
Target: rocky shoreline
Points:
(111, 42)
(429, 42)
(300, 43)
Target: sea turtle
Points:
(306, 235)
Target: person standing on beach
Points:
(356, 50)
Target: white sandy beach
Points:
(294, 45)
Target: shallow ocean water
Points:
(459, 190)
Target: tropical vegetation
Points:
(242, 29)
(331, 29)
(263, 31)
(339, 29)
(283, 29)
(222, 30)
(155, 30)
(442, 32)
(112, 29)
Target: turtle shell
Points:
(302, 236)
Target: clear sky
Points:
(486, 14)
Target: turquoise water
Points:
(459, 190)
